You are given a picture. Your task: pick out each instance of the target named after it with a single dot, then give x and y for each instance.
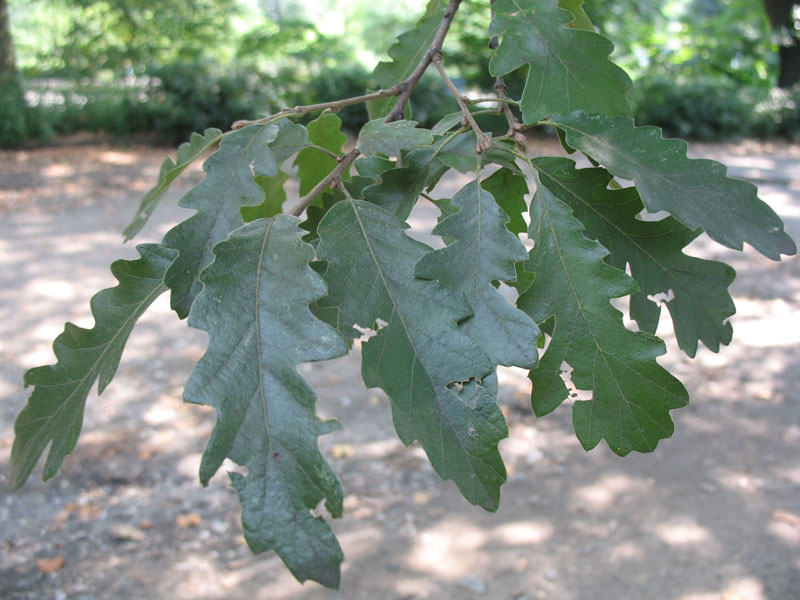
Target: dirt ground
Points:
(713, 514)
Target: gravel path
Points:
(713, 514)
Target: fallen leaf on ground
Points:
(90, 511)
(422, 498)
(786, 517)
(188, 520)
(128, 532)
(50, 565)
(342, 451)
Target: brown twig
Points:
(514, 126)
(334, 105)
(484, 142)
(409, 83)
(332, 179)
(500, 88)
(487, 100)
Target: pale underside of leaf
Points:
(697, 192)
(436, 377)
(631, 393)
(399, 188)
(379, 137)
(228, 186)
(54, 412)
(255, 309)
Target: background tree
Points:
(7, 64)
(784, 23)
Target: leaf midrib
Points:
(545, 209)
(413, 346)
(263, 398)
(591, 207)
(93, 370)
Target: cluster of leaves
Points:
(273, 289)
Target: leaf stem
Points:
(332, 179)
(484, 142)
(326, 151)
(409, 83)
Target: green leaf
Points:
(398, 189)
(447, 122)
(654, 250)
(433, 8)
(697, 192)
(373, 166)
(509, 190)
(274, 197)
(379, 137)
(54, 412)
(255, 309)
(631, 393)
(356, 184)
(291, 139)
(436, 377)
(218, 199)
(188, 152)
(524, 278)
(446, 208)
(568, 69)
(318, 209)
(405, 55)
(581, 20)
(484, 251)
(312, 164)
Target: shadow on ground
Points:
(712, 514)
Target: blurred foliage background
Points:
(707, 69)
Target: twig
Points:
(332, 179)
(334, 105)
(409, 83)
(495, 100)
(484, 142)
(514, 126)
(500, 88)
(326, 151)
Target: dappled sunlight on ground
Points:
(713, 514)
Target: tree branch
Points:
(332, 179)
(484, 142)
(334, 105)
(409, 83)
(500, 88)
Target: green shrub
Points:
(19, 122)
(703, 109)
(778, 115)
(193, 96)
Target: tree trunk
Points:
(789, 73)
(780, 13)
(7, 64)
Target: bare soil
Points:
(713, 514)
